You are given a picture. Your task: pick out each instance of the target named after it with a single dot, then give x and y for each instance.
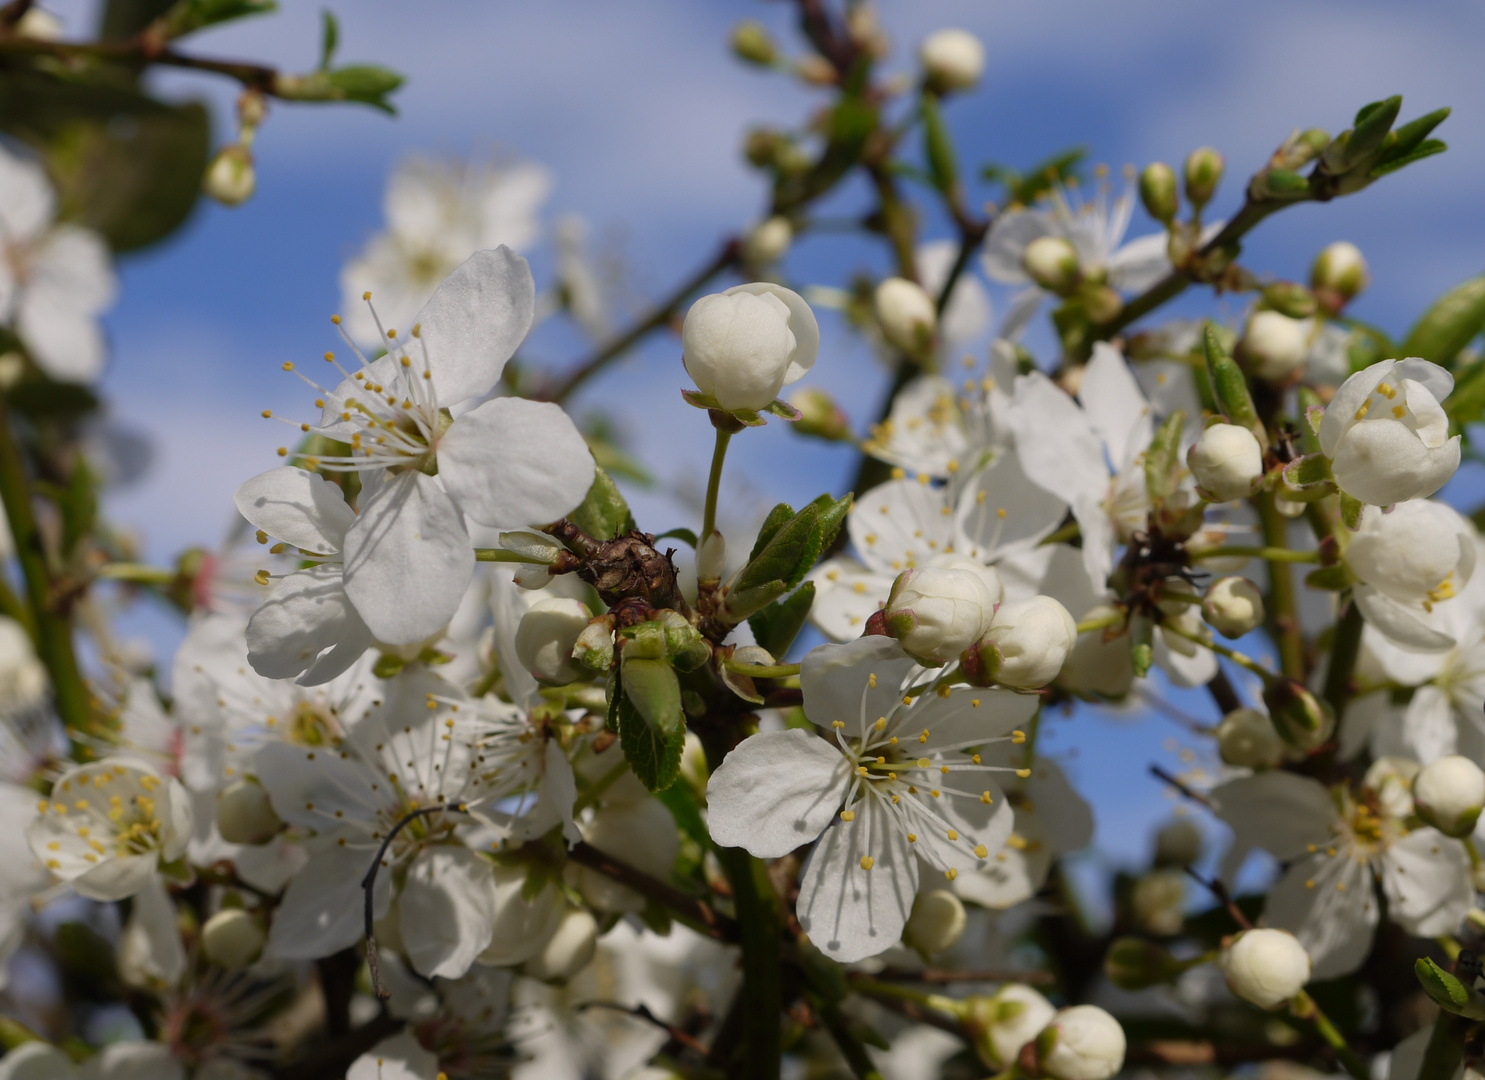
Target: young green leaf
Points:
(655, 756)
(775, 627)
(604, 514)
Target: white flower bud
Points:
(1156, 902)
(769, 241)
(1387, 435)
(1266, 967)
(546, 636)
(1274, 346)
(1248, 739)
(1001, 1025)
(711, 557)
(1227, 462)
(1081, 1043)
(1390, 781)
(938, 612)
(230, 178)
(1026, 643)
(245, 814)
(568, 951)
(744, 345)
(1233, 606)
(905, 313)
(1340, 270)
(232, 938)
(952, 59)
(1449, 794)
(1052, 263)
(23, 678)
(1178, 843)
(936, 923)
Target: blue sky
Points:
(639, 112)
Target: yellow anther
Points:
(1000, 511)
(288, 365)
(867, 862)
(912, 838)
(974, 703)
(837, 723)
(951, 873)
(935, 793)
(366, 296)
(267, 414)
(278, 549)
(335, 319)
(923, 738)
(899, 474)
(923, 479)
(1018, 737)
(861, 770)
(859, 587)
(1310, 884)
(892, 741)
(262, 536)
(1366, 407)
(1386, 390)
(42, 806)
(944, 691)
(391, 333)
(981, 851)
(953, 835)
(881, 724)
(975, 758)
(261, 577)
(848, 815)
(283, 451)
(406, 362)
(871, 680)
(881, 760)
(1023, 773)
(944, 769)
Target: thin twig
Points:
(1181, 786)
(1223, 897)
(940, 976)
(693, 910)
(642, 1012)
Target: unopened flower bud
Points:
(819, 415)
(936, 923)
(769, 241)
(937, 613)
(594, 648)
(1339, 273)
(906, 313)
(1136, 964)
(1158, 192)
(952, 59)
(1052, 263)
(546, 637)
(1156, 902)
(744, 345)
(232, 938)
(1289, 298)
(1101, 302)
(1300, 718)
(762, 146)
(1025, 644)
(568, 951)
(752, 42)
(1233, 606)
(711, 557)
(1266, 967)
(999, 1026)
(684, 645)
(230, 178)
(1178, 844)
(1273, 346)
(1227, 462)
(1246, 738)
(1203, 174)
(1081, 1043)
(245, 815)
(1449, 794)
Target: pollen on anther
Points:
(848, 815)
(951, 873)
(288, 365)
(871, 680)
(261, 577)
(953, 835)
(366, 296)
(981, 851)
(881, 724)
(1023, 773)
(867, 862)
(267, 414)
(283, 451)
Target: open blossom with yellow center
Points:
(1339, 844)
(395, 568)
(897, 777)
(108, 826)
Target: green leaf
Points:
(775, 520)
(1446, 990)
(776, 626)
(188, 16)
(686, 536)
(938, 148)
(1373, 123)
(125, 18)
(1425, 149)
(604, 514)
(1162, 459)
(1411, 135)
(1307, 471)
(329, 37)
(652, 688)
(1449, 324)
(788, 548)
(366, 83)
(1026, 188)
(124, 164)
(1466, 405)
(1230, 388)
(654, 756)
(832, 516)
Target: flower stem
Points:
(53, 629)
(1103, 622)
(1272, 554)
(1221, 650)
(1445, 1048)
(713, 485)
(137, 573)
(1304, 1008)
(850, 1046)
(758, 917)
(762, 671)
(1345, 648)
(1283, 607)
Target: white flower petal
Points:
(1072, 465)
(1426, 878)
(66, 343)
(298, 507)
(401, 1057)
(1340, 414)
(850, 913)
(1399, 623)
(307, 613)
(900, 524)
(802, 325)
(133, 1061)
(776, 791)
(323, 908)
(836, 685)
(35, 1060)
(1002, 509)
(474, 322)
(846, 595)
(1007, 243)
(408, 560)
(27, 201)
(1328, 903)
(513, 462)
(447, 907)
(1114, 405)
(1281, 812)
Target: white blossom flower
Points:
(879, 791)
(1081, 1043)
(937, 612)
(1409, 561)
(745, 345)
(406, 556)
(400, 1057)
(952, 59)
(55, 279)
(1338, 844)
(438, 214)
(1266, 967)
(1387, 435)
(109, 826)
(22, 874)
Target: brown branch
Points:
(1181, 786)
(1222, 896)
(690, 909)
(642, 1012)
(941, 977)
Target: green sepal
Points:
(1351, 511)
(1466, 405)
(655, 756)
(366, 83)
(776, 626)
(1329, 579)
(1449, 324)
(781, 408)
(604, 513)
(1141, 644)
(1230, 388)
(1136, 964)
(1307, 479)
(1162, 460)
(938, 148)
